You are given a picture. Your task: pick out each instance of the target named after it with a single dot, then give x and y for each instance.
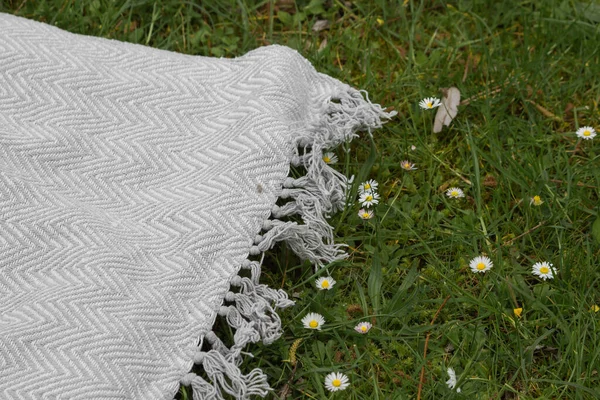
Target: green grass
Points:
(532, 72)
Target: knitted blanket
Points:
(138, 189)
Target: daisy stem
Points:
(393, 200)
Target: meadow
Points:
(529, 77)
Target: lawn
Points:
(529, 77)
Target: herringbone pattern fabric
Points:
(133, 182)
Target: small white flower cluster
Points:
(368, 196)
(334, 381)
(544, 269)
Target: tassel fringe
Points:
(313, 198)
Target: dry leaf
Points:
(448, 110)
(490, 181)
(322, 45)
(320, 25)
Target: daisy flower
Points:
(367, 199)
(536, 201)
(429, 103)
(336, 381)
(586, 132)
(407, 165)
(313, 321)
(455, 193)
(368, 186)
(481, 264)
(325, 282)
(363, 327)
(365, 214)
(330, 158)
(451, 382)
(543, 269)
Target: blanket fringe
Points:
(313, 198)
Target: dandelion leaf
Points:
(448, 110)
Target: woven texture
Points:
(133, 185)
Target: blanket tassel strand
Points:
(313, 197)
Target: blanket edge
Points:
(252, 309)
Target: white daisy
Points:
(368, 186)
(336, 381)
(429, 103)
(455, 193)
(452, 381)
(586, 132)
(365, 214)
(363, 327)
(406, 165)
(544, 270)
(330, 158)
(313, 321)
(481, 264)
(325, 282)
(367, 199)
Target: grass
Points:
(531, 72)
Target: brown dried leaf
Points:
(490, 181)
(353, 309)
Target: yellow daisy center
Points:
(327, 159)
(454, 193)
(336, 383)
(537, 200)
(587, 133)
(363, 328)
(544, 270)
(313, 324)
(369, 198)
(325, 284)
(481, 266)
(429, 104)
(365, 215)
(367, 186)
